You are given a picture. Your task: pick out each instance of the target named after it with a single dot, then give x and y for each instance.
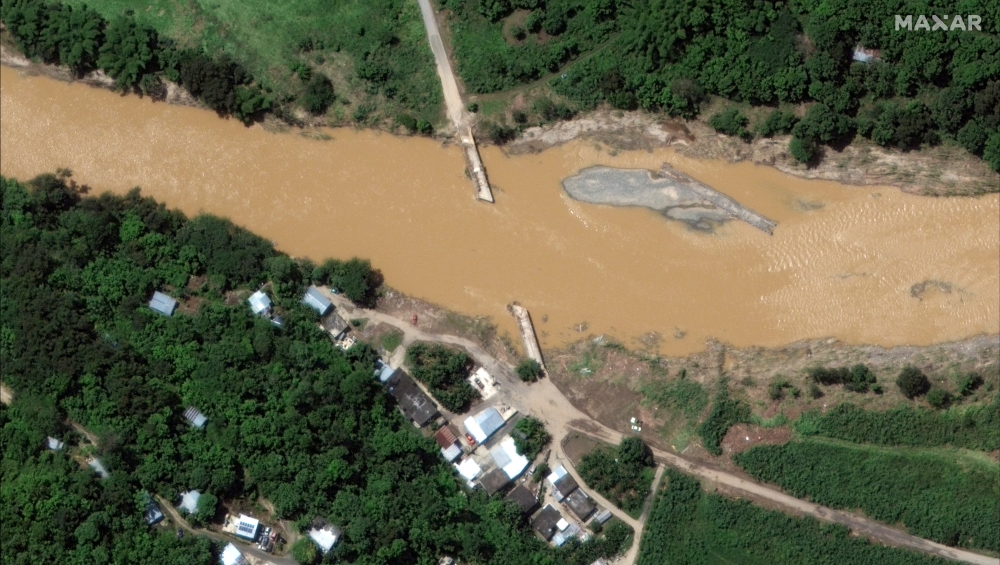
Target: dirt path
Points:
(547, 403)
(176, 518)
(633, 553)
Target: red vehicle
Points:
(472, 440)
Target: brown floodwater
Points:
(841, 263)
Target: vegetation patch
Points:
(622, 475)
(530, 437)
(725, 413)
(290, 417)
(930, 494)
(444, 370)
(971, 427)
(687, 526)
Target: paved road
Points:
(452, 97)
(546, 402)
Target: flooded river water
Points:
(842, 262)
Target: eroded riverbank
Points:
(841, 263)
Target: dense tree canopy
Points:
(623, 475)
(291, 418)
(444, 370)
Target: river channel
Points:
(842, 262)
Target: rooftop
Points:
(325, 538)
(484, 424)
(523, 497)
(469, 469)
(445, 437)
(195, 417)
(232, 556)
(564, 486)
(580, 504)
(260, 303)
(452, 453)
(189, 501)
(494, 481)
(163, 304)
(152, 514)
(416, 405)
(545, 522)
(507, 458)
(247, 527)
(315, 300)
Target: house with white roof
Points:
(163, 304)
(325, 538)
(260, 303)
(314, 299)
(247, 527)
(232, 556)
(483, 425)
(469, 469)
(507, 458)
(53, 444)
(189, 501)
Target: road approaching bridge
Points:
(459, 118)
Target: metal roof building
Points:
(315, 300)
(189, 501)
(484, 424)
(163, 304)
(469, 469)
(325, 538)
(152, 514)
(247, 527)
(562, 483)
(415, 405)
(232, 556)
(98, 468)
(260, 303)
(507, 458)
(53, 443)
(195, 417)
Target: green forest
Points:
(687, 526)
(291, 418)
(671, 56)
(363, 61)
(941, 496)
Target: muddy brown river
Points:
(842, 262)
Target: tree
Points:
(304, 551)
(778, 122)
(730, 122)
(802, 149)
(357, 280)
(912, 382)
(530, 437)
(319, 94)
(823, 124)
(128, 53)
(529, 370)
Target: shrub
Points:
(407, 121)
(541, 472)
(529, 370)
(777, 123)
(802, 149)
(938, 398)
(970, 383)
(912, 382)
(319, 94)
(444, 371)
(472, 107)
(730, 122)
(425, 127)
(304, 551)
(622, 475)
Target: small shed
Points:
(484, 424)
(545, 522)
(195, 417)
(603, 516)
(494, 481)
(325, 537)
(334, 324)
(523, 498)
(53, 444)
(163, 304)
(98, 468)
(580, 504)
(247, 527)
(315, 300)
(260, 303)
(189, 501)
(232, 556)
(469, 469)
(450, 448)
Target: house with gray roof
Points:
(545, 522)
(523, 498)
(315, 300)
(260, 303)
(580, 504)
(494, 481)
(484, 424)
(163, 304)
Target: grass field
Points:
(374, 51)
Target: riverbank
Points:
(937, 171)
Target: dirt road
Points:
(633, 553)
(247, 549)
(546, 402)
(452, 96)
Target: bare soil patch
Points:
(742, 437)
(435, 319)
(576, 446)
